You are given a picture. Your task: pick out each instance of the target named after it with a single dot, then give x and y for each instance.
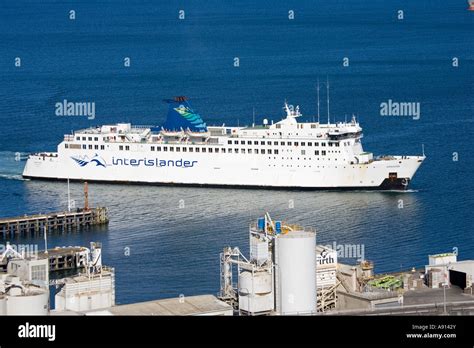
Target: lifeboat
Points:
(191, 134)
(171, 133)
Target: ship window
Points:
(197, 149)
(178, 149)
(263, 152)
(203, 149)
(323, 153)
(262, 143)
(310, 144)
(242, 142)
(229, 142)
(249, 151)
(316, 144)
(90, 147)
(275, 143)
(191, 149)
(269, 151)
(275, 152)
(96, 147)
(96, 139)
(282, 143)
(152, 148)
(269, 142)
(171, 148)
(78, 138)
(330, 144)
(313, 125)
(102, 147)
(210, 149)
(165, 148)
(236, 142)
(316, 152)
(230, 151)
(289, 143)
(278, 126)
(303, 152)
(90, 138)
(256, 151)
(242, 150)
(296, 143)
(66, 146)
(127, 147)
(158, 148)
(236, 151)
(83, 138)
(255, 142)
(120, 147)
(336, 144)
(249, 142)
(303, 144)
(185, 149)
(216, 150)
(223, 150)
(323, 144)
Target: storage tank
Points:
(258, 250)
(256, 292)
(3, 305)
(296, 277)
(34, 302)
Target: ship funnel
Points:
(181, 116)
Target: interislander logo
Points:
(152, 162)
(84, 161)
(393, 108)
(134, 162)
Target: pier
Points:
(66, 258)
(61, 221)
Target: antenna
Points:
(327, 87)
(68, 197)
(253, 116)
(318, 99)
(45, 240)
(423, 149)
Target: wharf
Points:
(65, 258)
(62, 221)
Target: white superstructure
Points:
(286, 154)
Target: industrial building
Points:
(24, 285)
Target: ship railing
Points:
(45, 154)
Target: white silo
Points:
(295, 260)
(3, 305)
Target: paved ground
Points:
(426, 296)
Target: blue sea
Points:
(161, 248)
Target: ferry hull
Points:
(230, 171)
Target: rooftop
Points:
(189, 305)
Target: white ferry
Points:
(185, 151)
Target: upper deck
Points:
(287, 128)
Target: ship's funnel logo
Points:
(190, 116)
(84, 161)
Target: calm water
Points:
(175, 251)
